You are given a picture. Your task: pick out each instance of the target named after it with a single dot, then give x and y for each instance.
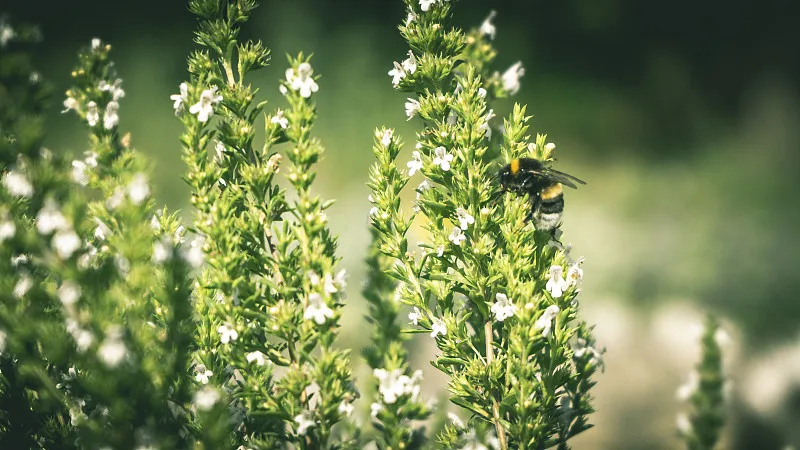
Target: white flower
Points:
(112, 351)
(545, 321)
(70, 104)
(317, 309)
(481, 92)
(550, 146)
(3, 336)
(686, 390)
(397, 73)
(503, 308)
(280, 119)
(194, 255)
(110, 117)
(115, 89)
(256, 357)
(50, 219)
(438, 327)
(203, 374)
(426, 4)
(511, 77)
(206, 398)
(7, 230)
(556, 285)
(464, 218)
(92, 116)
(374, 409)
(96, 44)
(395, 384)
(24, 284)
(485, 127)
(683, 424)
(410, 63)
(227, 333)
(78, 173)
(69, 293)
(17, 184)
(415, 164)
(457, 236)
(116, 199)
(178, 99)
(412, 106)
(386, 137)
(442, 158)
(414, 315)
(162, 250)
(346, 408)
(302, 80)
(487, 27)
(410, 18)
(575, 273)
(204, 108)
(90, 159)
(304, 422)
(138, 190)
(6, 33)
(339, 283)
(424, 186)
(65, 243)
(581, 349)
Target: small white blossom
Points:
(90, 159)
(206, 398)
(440, 251)
(374, 409)
(556, 285)
(545, 321)
(203, 374)
(116, 199)
(481, 92)
(415, 164)
(179, 99)
(410, 18)
(24, 284)
(50, 219)
(550, 146)
(503, 308)
(204, 108)
(336, 284)
(69, 293)
(424, 186)
(511, 78)
(92, 115)
(17, 184)
(686, 390)
(464, 218)
(397, 73)
(96, 44)
(395, 384)
(575, 273)
(386, 137)
(442, 158)
(138, 190)
(414, 315)
(425, 5)
(65, 243)
(304, 422)
(70, 104)
(280, 119)
(256, 357)
(438, 327)
(317, 309)
(162, 250)
(6, 33)
(7, 230)
(487, 27)
(227, 333)
(410, 63)
(683, 424)
(302, 80)
(79, 174)
(116, 91)
(194, 255)
(457, 236)
(581, 349)
(485, 126)
(110, 117)
(346, 408)
(412, 106)
(113, 350)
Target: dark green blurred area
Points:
(683, 116)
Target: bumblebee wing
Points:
(563, 178)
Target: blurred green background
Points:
(683, 116)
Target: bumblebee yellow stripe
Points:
(514, 166)
(552, 192)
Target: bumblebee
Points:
(543, 186)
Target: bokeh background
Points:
(683, 116)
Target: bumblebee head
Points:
(508, 173)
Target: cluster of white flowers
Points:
(49, 219)
(206, 398)
(317, 309)
(346, 408)
(80, 167)
(17, 184)
(112, 350)
(582, 348)
(396, 384)
(503, 308)
(300, 80)
(402, 70)
(227, 333)
(83, 338)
